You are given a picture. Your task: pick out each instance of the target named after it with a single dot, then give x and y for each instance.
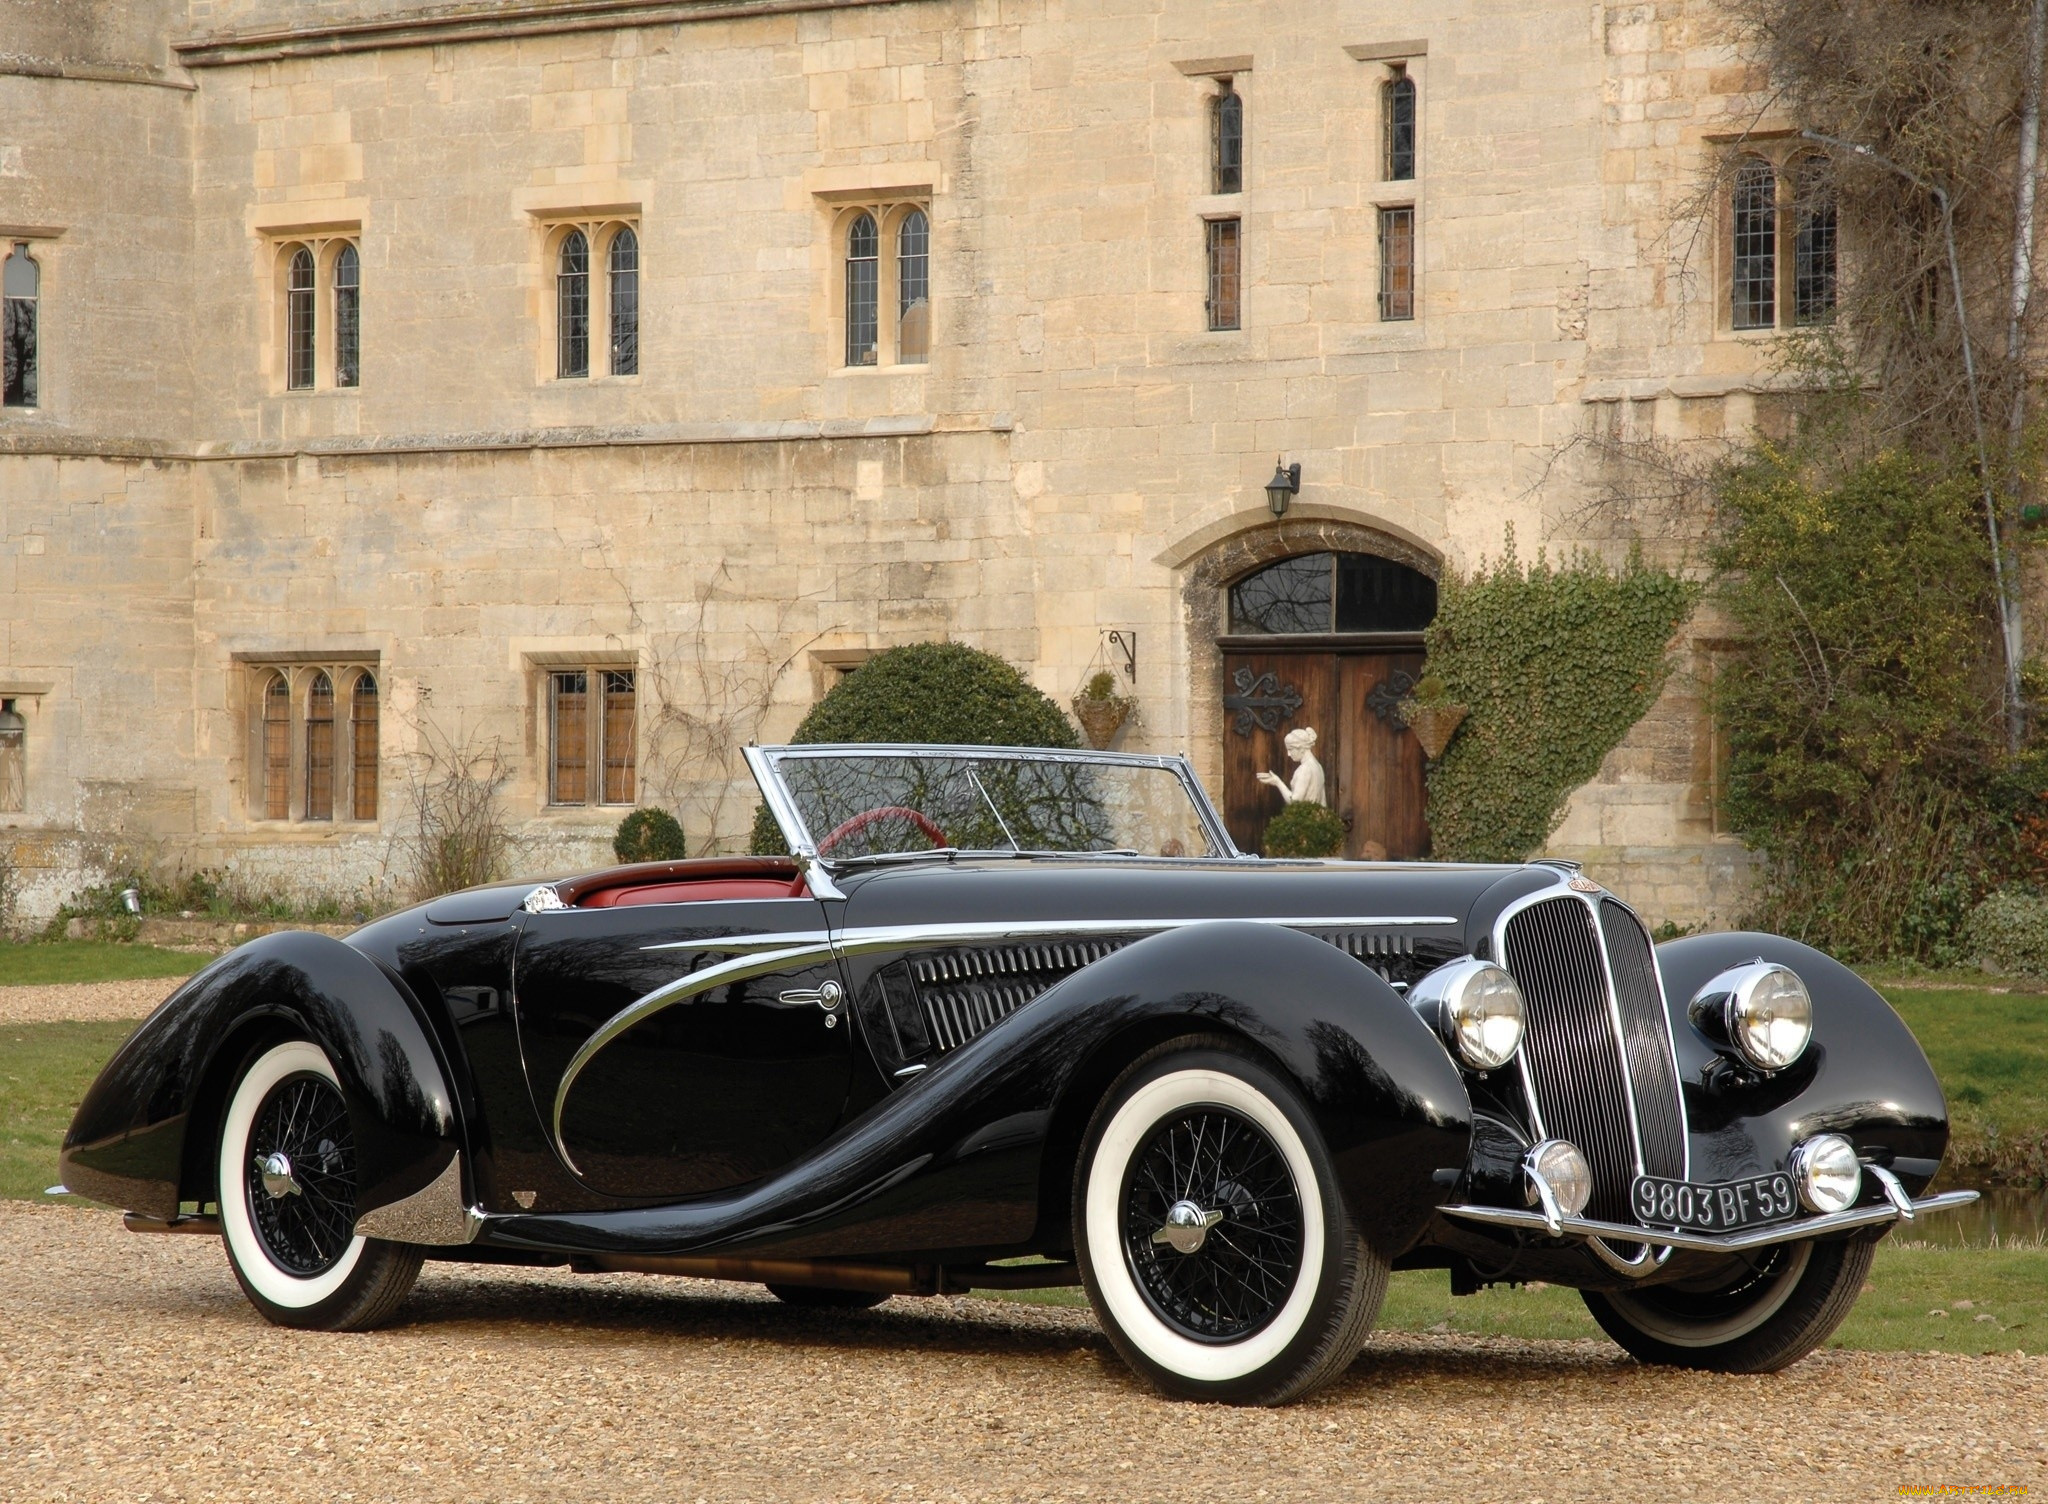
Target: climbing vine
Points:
(1554, 662)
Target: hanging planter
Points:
(1102, 717)
(1434, 723)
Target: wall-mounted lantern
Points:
(1283, 487)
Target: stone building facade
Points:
(308, 416)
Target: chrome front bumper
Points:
(1893, 1209)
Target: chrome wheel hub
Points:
(276, 1172)
(1187, 1227)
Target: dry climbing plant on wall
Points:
(1555, 662)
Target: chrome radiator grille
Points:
(1575, 1056)
(1645, 1032)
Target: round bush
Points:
(942, 692)
(650, 835)
(2009, 932)
(1304, 829)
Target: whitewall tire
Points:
(1211, 1235)
(287, 1199)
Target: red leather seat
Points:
(703, 890)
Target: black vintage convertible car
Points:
(1013, 1018)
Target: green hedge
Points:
(1304, 829)
(1554, 662)
(2008, 932)
(943, 692)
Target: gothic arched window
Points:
(362, 724)
(348, 316)
(1226, 135)
(572, 306)
(624, 268)
(298, 321)
(1397, 126)
(320, 748)
(277, 748)
(21, 294)
(1753, 286)
(863, 266)
(1813, 240)
(914, 289)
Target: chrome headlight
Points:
(1761, 1010)
(1827, 1172)
(1477, 1010)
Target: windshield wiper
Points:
(882, 858)
(975, 779)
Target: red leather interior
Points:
(700, 891)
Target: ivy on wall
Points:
(1555, 662)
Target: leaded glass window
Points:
(618, 735)
(13, 760)
(569, 737)
(1226, 134)
(1333, 592)
(1397, 263)
(863, 271)
(277, 748)
(1754, 282)
(320, 748)
(1813, 242)
(625, 294)
(1397, 127)
(348, 339)
(362, 725)
(20, 298)
(572, 306)
(1225, 268)
(298, 321)
(914, 289)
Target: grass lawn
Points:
(1990, 1050)
(1991, 1300)
(91, 961)
(44, 1071)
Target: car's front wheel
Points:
(1773, 1311)
(288, 1200)
(1211, 1234)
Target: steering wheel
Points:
(860, 822)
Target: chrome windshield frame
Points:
(763, 762)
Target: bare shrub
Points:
(457, 835)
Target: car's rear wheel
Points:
(818, 1298)
(1782, 1304)
(288, 1200)
(1211, 1234)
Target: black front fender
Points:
(127, 1145)
(959, 1158)
(1864, 1075)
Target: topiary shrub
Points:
(943, 692)
(1304, 829)
(2009, 932)
(650, 835)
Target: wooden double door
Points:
(1372, 764)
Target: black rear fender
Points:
(143, 1138)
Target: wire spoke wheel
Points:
(301, 1175)
(1212, 1225)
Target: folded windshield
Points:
(874, 803)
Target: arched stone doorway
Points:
(1315, 622)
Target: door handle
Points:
(826, 995)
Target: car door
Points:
(705, 1041)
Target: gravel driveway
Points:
(131, 1369)
(89, 1000)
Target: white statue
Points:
(1307, 786)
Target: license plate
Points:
(1713, 1208)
